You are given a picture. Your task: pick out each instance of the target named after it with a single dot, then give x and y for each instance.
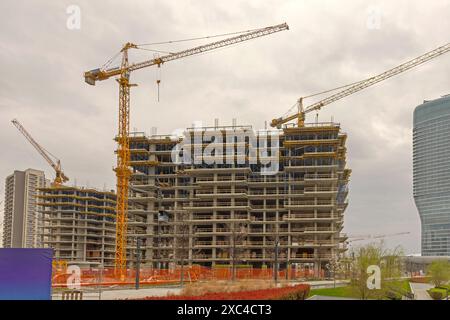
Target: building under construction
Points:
(222, 212)
(79, 224)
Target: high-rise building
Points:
(432, 174)
(215, 212)
(21, 212)
(79, 224)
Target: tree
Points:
(439, 272)
(182, 235)
(388, 261)
(237, 236)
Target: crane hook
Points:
(158, 80)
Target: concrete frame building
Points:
(21, 212)
(223, 214)
(431, 161)
(79, 224)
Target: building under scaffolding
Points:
(79, 224)
(222, 212)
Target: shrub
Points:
(436, 295)
(298, 292)
(439, 272)
(201, 288)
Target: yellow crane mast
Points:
(60, 178)
(123, 153)
(356, 87)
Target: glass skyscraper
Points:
(431, 154)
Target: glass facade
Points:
(431, 161)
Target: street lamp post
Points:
(138, 262)
(277, 243)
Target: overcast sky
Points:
(329, 43)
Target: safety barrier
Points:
(64, 278)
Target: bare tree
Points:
(237, 237)
(182, 236)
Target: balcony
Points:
(321, 177)
(321, 191)
(311, 217)
(268, 180)
(208, 206)
(209, 231)
(311, 204)
(269, 207)
(221, 180)
(218, 218)
(311, 167)
(294, 143)
(220, 194)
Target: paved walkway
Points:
(420, 290)
(322, 284)
(125, 294)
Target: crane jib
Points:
(356, 87)
(97, 74)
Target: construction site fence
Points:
(66, 278)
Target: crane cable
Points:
(139, 46)
(321, 93)
(197, 38)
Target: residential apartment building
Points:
(79, 224)
(21, 212)
(289, 197)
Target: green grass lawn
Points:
(349, 292)
(343, 292)
(402, 285)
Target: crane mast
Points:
(60, 176)
(358, 86)
(123, 72)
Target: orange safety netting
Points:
(151, 276)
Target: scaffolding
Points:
(78, 224)
(231, 214)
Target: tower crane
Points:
(123, 153)
(355, 87)
(379, 236)
(60, 178)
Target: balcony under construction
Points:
(79, 224)
(221, 212)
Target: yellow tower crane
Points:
(56, 165)
(355, 87)
(123, 153)
(375, 237)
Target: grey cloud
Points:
(328, 45)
